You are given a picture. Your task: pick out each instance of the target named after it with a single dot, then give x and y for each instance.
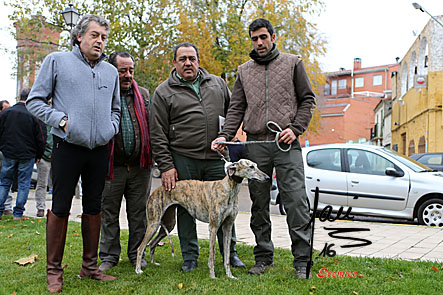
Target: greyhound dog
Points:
(213, 202)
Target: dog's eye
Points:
(251, 166)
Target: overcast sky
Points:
(377, 31)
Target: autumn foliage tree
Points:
(149, 30)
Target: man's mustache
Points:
(127, 80)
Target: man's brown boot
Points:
(91, 234)
(55, 245)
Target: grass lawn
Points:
(20, 239)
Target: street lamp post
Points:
(70, 15)
(418, 6)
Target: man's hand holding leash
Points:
(169, 178)
(216, 145)
(287, 136)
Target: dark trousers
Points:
(206, 170)
(134, 184)
(69, 161)
(291, 185)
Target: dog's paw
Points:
(138, 270)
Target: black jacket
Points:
(21, 135)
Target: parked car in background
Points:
(432, 160)
(374, 181)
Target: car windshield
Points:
(414, 165)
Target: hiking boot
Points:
(40, 213)
(300, 273)
(260, 267)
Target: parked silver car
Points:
(374, 181)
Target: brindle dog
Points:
(213, 202)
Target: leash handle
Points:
(275, 128)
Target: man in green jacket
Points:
(184, 119)
(273, 87)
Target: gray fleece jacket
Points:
(89, 97)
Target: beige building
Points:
(417, 117)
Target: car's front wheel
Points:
(431, 212)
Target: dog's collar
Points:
(237, 179)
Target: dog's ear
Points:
(231, 169)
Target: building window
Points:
(359, 82)
(334, 87)
(342, 84)
(376, 80)
(327, 89)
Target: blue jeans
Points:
(24, 168)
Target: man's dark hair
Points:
(113, 57)
(24, 94)
(1, 104)
(261, 23)
(186, 44)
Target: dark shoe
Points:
(7, 212)
(55, 245)
(260, 267)
(189, 265)
(143, 263)
(300, 272)
(106, 265)
(236, 262)
(91, 234)
(17, 218)
(40, 213)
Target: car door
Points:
(324, 169)
(368, 185)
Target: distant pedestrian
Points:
(43, 169)
(4, 104)
(21, 142)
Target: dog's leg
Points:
(153, 222)
(227, 236)
(212, 244)
(167, 225)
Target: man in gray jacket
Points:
(84, 116)
(273, 87)
(184, 119)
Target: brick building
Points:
(347, 101)
(35, 39)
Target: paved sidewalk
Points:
(410, 242)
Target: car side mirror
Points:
(393, 172)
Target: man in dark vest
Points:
(273, 87)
